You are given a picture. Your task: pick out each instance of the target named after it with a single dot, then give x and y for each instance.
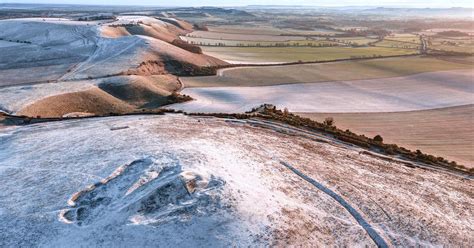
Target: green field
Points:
(323, 72)
(458, 44)
(397, 44)
(294, 54)
(412, 38)
(360, 41)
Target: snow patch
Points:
(146, 191)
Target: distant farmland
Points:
(247, 37)
(452, 44)
(294, 54)
(407, 93)
(397, 44)
(268, 30)
(246, 43)
(313, 73)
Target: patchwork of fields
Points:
(240, 45)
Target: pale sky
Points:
(387, 3)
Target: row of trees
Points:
(278, 44)
(17, 41)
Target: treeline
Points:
(452, 33)
(126, 25)
(200, 27)
(16, 41)
(364, 32)
(181, 68)
(277, 44)
(97, 18)
(186, 46)
(172, 66)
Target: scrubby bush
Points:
(176, 97)
(329, 121)
(186, 46)
(200, 27)
(378, 138)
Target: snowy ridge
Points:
(183, 181)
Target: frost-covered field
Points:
(182, 181)
(416, 92)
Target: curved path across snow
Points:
(357, 216)
(416, 92)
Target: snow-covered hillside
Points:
(41, 50)
(55, 67)
(184, 181)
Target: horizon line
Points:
(238, 6)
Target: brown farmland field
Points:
(313, 73)
(445, 132)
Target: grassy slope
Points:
(312, 73)
(446, 132)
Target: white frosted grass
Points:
(416, 92)
(64, 150)
(255, 201)
(62, 50)
(13, 99)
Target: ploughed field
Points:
(172, 180)
(333, 71)
(447, 132)
(415, 92)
